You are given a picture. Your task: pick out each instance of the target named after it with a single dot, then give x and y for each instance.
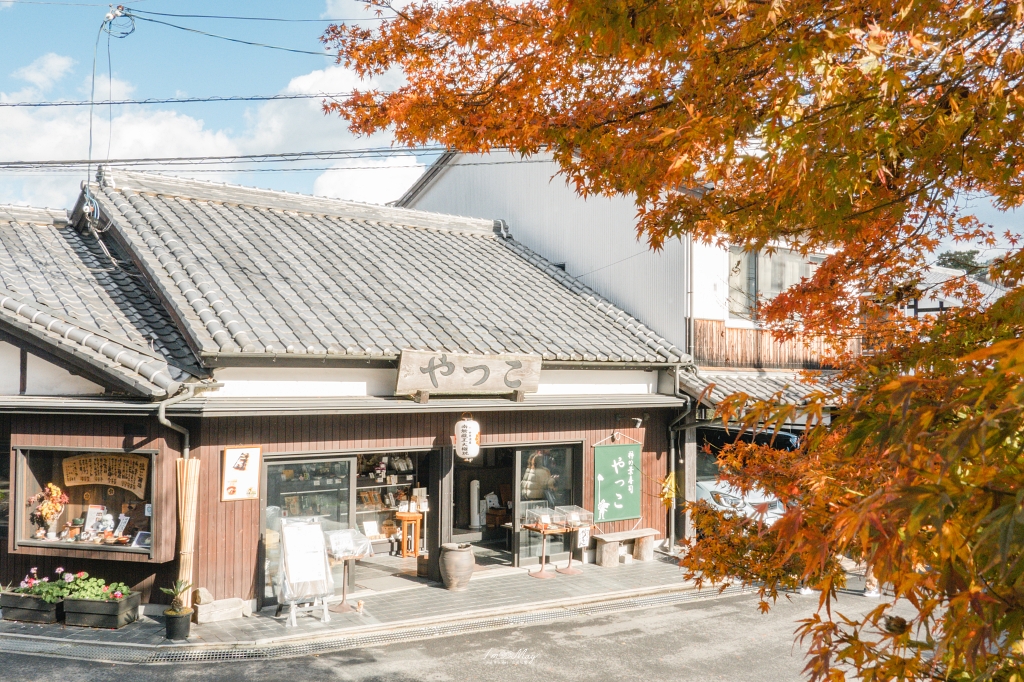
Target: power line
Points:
(275, 19)
(319, 169)
(326, 155)
(180, 100)
(129, 13)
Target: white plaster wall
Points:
(595, 238)
(327, 382)
(10, 369)
(710, 283)
(43, 378)
(597, 382)
(246, 382)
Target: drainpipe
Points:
(161, 413)
(673, 428)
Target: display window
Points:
(84, 500)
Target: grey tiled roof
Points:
(262, 272)
(59, 289)
(794, 387)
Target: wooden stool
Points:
(410, 530)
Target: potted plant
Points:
(36, 600)
(90, 602)
(178, 618)
(50, 505)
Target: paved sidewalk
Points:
(493, 599)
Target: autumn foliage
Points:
(853, 129)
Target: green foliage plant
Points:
(177, 594)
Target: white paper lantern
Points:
(467, 437)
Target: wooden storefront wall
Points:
(85, 434)
(227, 534)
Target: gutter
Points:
(161, 412)
(673, 428)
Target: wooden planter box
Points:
(95, 613)
(30, 608)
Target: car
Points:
(724, 497)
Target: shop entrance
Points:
(513, 482)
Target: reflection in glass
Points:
(546, 480)
(304, 490)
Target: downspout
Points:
(161, 413)
(673, 428)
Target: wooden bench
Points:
(608, 545)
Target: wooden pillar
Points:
(689, 460)
(440, 490)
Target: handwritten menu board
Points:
(118, 470)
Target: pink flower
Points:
(45, 580)
(59, 570)
(68, 578)
(24, 583)
(32, 570)
(118, 594)
(106, 589)
(80, 574)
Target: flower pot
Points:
(457, 562)
(29, 608)
(178, 624)
(96, 613)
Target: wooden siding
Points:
(227, 535)
(717, 345)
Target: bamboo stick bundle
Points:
(188, 499)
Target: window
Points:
(108, 503)
(755, 276)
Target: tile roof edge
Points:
(205, 190)
(121, 373)
(33, 214)
(92, 329)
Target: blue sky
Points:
(46, 54)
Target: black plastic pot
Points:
(178, 624)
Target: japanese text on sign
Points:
(437, 372)
(121, 471)
(617, 482)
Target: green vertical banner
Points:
(616, 482)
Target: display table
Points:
(410, 529)
(544, 532)
(347, 574)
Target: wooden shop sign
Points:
(455, 373)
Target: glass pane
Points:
(779, 271)
(308, 489)
(742, 280)
(546, 480)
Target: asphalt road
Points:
(719, 639)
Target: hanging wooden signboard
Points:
(435, 372)
(617, 482)
(113, 469)
(240, 477)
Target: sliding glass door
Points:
(322, 489)
(546, 477)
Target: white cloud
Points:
(46, 70)
(376, 181)
(146, 131)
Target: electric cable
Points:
(315, 169)
(184, 100)
(240, 18)
(129, 13)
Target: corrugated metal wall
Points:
(596, 238)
